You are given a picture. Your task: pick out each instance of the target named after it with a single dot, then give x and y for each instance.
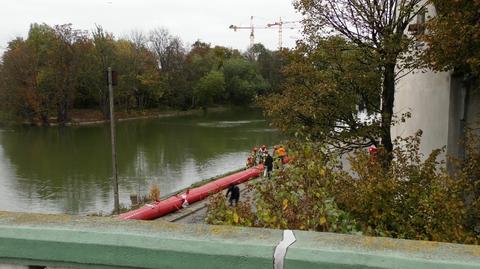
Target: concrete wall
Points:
(427, 97)
(457, 117)
(441, 107)
(57, 241)
(435, 108)
(473, 110)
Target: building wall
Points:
(473, 111)
(427, 97)
(436, 102)
(457, 117)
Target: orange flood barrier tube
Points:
(171, 204)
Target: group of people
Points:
(262, 156)
(259, 156)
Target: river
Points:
(68, 169)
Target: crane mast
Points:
(252, 28)
(252, 35)
(278, 23)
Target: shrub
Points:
(221, 213)
(296, 198)
(154, 194)
(412, 198)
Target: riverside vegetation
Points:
(58, 70)
(412, 198)
(352, 55)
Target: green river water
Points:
(68, 170)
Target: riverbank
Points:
(82, 117)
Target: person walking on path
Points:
(268, 165)
(234, 192)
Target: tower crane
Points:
(280, 24)
(251, 28)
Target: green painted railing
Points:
(57, 241)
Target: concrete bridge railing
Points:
(57, 241)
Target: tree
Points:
(209, 88)
(171, 57)
(38, 96)
(269, 65)
(64, 63)
(453, 38)
(161, 44)
(325, 88)
(104, 55)
(377, 26)
(47, 62)
(200, 61)
(242, 80)
(140, 82)
(18, 76)
(59, 68)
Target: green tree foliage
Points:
(379, 28)
(297, 197)
(210, 88)
(49, 61)
(140, 85)
(19, 93)
(171, 56)
(103, 57)
(411, 199)
(453, 37)
(57, 69)
(326, 86)
(242, 80)
(63, 66)
(269, 64)
(468, 170)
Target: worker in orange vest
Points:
(281, 153)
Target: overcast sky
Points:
(207, 20)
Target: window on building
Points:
(418, 28)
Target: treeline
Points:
(57, 69)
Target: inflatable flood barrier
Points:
(173, 203)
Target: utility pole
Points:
(111, 82)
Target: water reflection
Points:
(67, 170)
